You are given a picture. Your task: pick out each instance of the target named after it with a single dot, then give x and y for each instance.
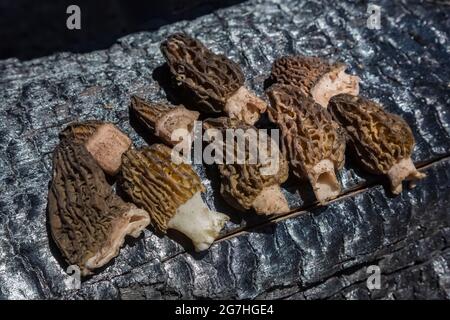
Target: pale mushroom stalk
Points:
(324, 181)
(164, 120)
(245, 106)
(333, 83)
(195, 220)
(106, 145)
(104, 141)
(270, 201)
(403, 170)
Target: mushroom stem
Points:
(130, 223)
(403, 170)
(179, 119)
(164, 120)
(107, 145)
(270, 201)
(324, 182)
(333, 83)
(245, 106)
(196, 221)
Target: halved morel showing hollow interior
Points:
(212, 81)
(171, 193)
(164, 120)
(382, 142)
(315, 144)
(315, 77)
(88, 222)
(103, 140)
(252, 179)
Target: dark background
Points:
(30, 29)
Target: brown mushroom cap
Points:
(381, 141)
(87, 220)
(209, 78)
(315, 144)
(79, 131)
(315, 77)
(241, 184)
(379, 138)
(163, 120)
(301, 71)
(158, 185)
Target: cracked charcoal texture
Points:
(322, 252)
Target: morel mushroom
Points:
(87, 220)
(107, 145)
(315, 77)
(246, 185)
(103, 140)
(80, 131)
(214, 82)
(382, 141)
(171, 193)
(163, 120)
(315, 144)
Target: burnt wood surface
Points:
(312, 252)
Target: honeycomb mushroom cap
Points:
(157, 184)
(315, 77)
(88, 221)
(241, 184)
(313, 141)
(301, 71)
(163, 120)
(79, 131)
(209, 79)
(380, 140)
